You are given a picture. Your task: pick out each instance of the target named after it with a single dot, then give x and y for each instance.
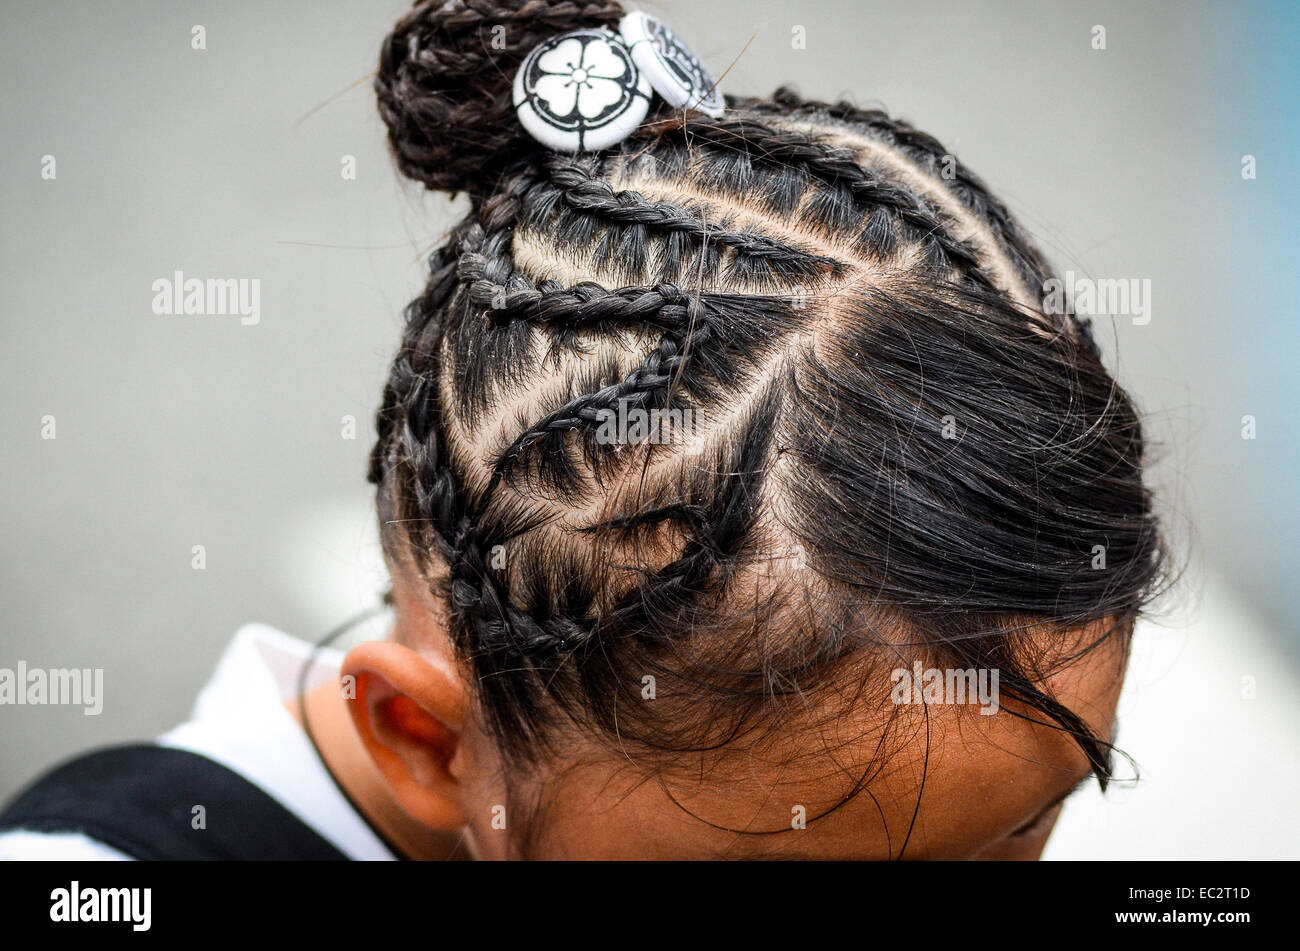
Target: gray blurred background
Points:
(181, 431)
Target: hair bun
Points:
(444, 84)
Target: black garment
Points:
(140, 800)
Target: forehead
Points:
(943, 777)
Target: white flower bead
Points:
(673, 70)
(581, 92)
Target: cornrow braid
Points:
(836, 166)
(578, 186)
(635, 391)
(928, 152)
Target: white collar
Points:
(240, 721)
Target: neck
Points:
(346, 758)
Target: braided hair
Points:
(901, 453)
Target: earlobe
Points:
(408, 713)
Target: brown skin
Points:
(414, 758)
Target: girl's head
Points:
(742, 497)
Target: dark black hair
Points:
(903, 453)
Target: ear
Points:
(408, 711)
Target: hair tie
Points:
(587, 90)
